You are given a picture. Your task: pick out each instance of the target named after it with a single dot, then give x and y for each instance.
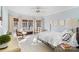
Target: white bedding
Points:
(55, 38)
(73, 41)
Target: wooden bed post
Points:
(77, 36)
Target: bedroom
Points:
(41, 28)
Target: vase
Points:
(2, 46)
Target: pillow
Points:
(73, 41)
(67, 35)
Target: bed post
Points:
(77, 36)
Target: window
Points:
(55, 22)
(15, 23)
(61, 22)
(24, 24)
(30, 24)
(38, 23)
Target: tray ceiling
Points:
(37, 10)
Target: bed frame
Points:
(77, 35)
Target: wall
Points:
(65, 15)
(46, 24)
(0, 10)
(4, 28)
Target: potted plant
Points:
(4, 39)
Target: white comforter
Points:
(55, 38)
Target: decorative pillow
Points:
(66, 36)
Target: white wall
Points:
(5, 20)
(65, 15)
(47, 23)
(0, 10)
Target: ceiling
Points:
(32, 10)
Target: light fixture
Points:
(38, 9)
